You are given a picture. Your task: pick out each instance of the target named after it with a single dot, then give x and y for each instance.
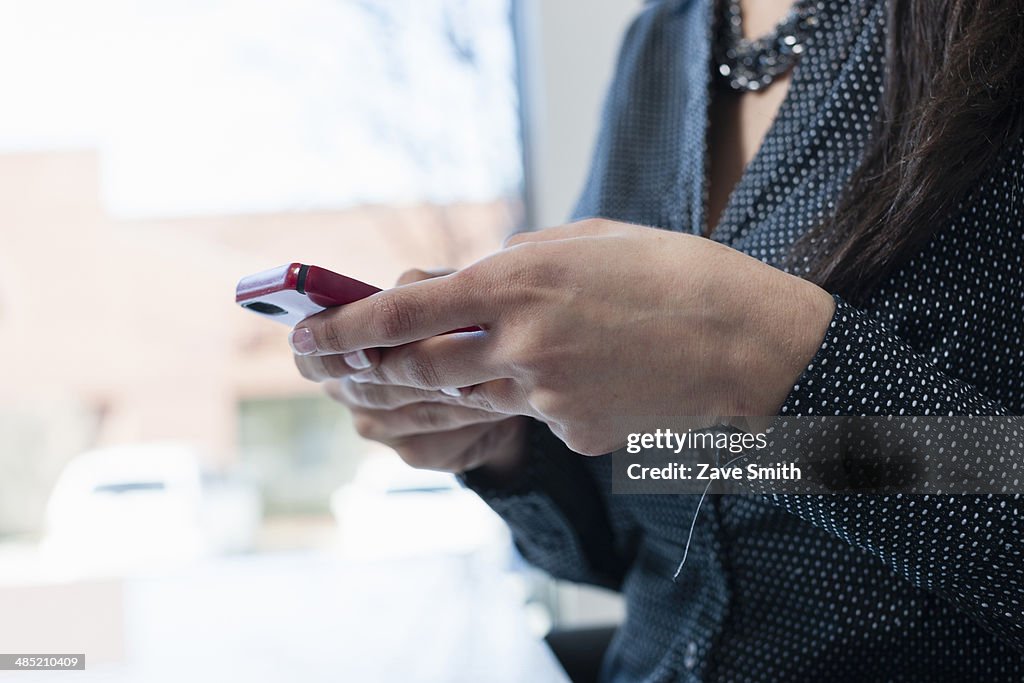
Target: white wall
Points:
(568, 51)
(568, 54)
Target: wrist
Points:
(786, 334)
(506, 459)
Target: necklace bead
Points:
(750, 65)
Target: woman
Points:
(861, 179)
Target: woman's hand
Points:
(428, 429)
(587, 323)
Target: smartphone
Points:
(290, 294)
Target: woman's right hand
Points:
(428, 429)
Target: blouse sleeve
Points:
(966, 549)
(556, 512)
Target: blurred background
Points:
(170, 489)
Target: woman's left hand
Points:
(590, 322)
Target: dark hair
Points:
(953, 100)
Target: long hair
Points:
(953, 100)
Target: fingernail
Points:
(451, 391)
(361, 378)
(357, 360)
(302, 341)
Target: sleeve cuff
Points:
(863, 369)
(540, 446)
(555, 510)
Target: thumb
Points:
(417, 274)
(593, 227)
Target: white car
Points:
(140, 507)
(392, 510)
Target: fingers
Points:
(397, 316)
(322, 368)
(380, 396)
(503, 396)
(458, 450)
(438, 363)
(389, 426)
(448, 361)
(498, 396)
(584, 228)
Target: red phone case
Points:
(290, 294)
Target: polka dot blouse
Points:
(840, 587)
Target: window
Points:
(233, 106)
(152, 152)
